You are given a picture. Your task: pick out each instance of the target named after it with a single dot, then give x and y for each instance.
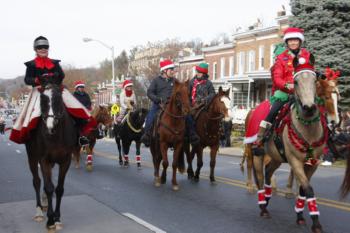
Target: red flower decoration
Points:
(331, 74)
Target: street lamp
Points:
(114, 98)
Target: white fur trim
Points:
(261, 202)
(311, 199)
(302, 71)
(261, 191)
(79, 85)
(167, 67)
(297, 35)
(302, 60)
(298, 210)
(301, 198)
(128, 85)
(315, 213)
(250, 139)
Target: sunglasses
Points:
(42, 47)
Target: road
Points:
(222, 207)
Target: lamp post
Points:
(114, 98)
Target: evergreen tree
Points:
(327, 33)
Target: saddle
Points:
(196, 110)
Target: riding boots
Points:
(194, 139)
(146, 138)
(263, 128)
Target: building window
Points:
(222, 67)
(214, 71)
(232, 67)
(251, 61)
(261, 57)
(240, 62)
(272, 49)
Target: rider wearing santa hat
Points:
(127, 99)
(282, 75)
(81, 94)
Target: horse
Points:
(303, 134)
(102, 116)
(208, 124)
(170, 133)
(128, 131)
(51, 142)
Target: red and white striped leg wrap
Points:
(311, 204)
(126, 157)
(89, 159)
(261, 197)
(138, 158)
(268, 191)
(300, 204)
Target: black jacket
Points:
(204, 92)
(160, 89)
(33, 72)
(83, 98)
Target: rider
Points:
(127, 100)
(201, 93)
(81, 94)
(282, 75)
(39, 73)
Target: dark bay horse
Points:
(304, 135)
(170, 133)
(103, 117)
(52, 142)
(128, 131)
(208, 128)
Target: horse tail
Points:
(247, 155)
(345, 187)
(181, 161)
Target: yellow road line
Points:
(238, 183)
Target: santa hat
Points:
(202, 68)
(127, 83)
(307, 67)
(166, 64)
(291, 33)
(79, 83)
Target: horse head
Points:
(221, 103)
(328, 91)
(52, 107)
(180, 97)
(102, 115)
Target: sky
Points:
(121, 24)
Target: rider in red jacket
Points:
(282, 75)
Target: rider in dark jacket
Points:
(81, 95)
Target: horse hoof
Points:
(89, 167)
(176, 188)
(250, 190)
(316, 229)
(51, 227)
(265, 214)
(157, 182)
(51, 230)
(289, 195)
(38, 218)
(44, 208)
(58, 225)
(121, 163)
(196, 179)
(301, 222)
(77, 166)
(212, 179)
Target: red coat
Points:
(282, 71)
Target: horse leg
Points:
(289, 191)
(126, 147)
(46, 169)
(117, 140)
(199, 163)
(138, 154)
(249, 159)
(89, 151)
(33, 165)
(176, 154)
(258, 165)
(63, 168)
(164, 152)
(270, 168)
(189, 156)
(213, 152)
(303, 174)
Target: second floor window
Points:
(251, 61)
(222, 67)
(261, 57)
(214, 71)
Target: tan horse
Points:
(171, 130)
(304, 134)
(102, 116)
(208, 128)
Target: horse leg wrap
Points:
(89, 159)
(268, 191)
(300, 204)
(311, 204)
(138, 158)
(126, 158)
(261, 197)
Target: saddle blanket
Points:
(31, 112)
(258, 114)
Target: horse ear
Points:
(220, 90)
(295, 62)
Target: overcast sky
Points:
(119, 23)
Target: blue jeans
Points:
(190, 125)
(150, 116)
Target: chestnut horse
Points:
(102, 116)
(208, 125)
(170, 132)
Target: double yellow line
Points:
(238, 183)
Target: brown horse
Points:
(208, 125)
(52, 142)
(170, 133)
(103, 117)
(328, 94)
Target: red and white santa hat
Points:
(291, 33)
(127, 83)
(79, 83)
(166, 64)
